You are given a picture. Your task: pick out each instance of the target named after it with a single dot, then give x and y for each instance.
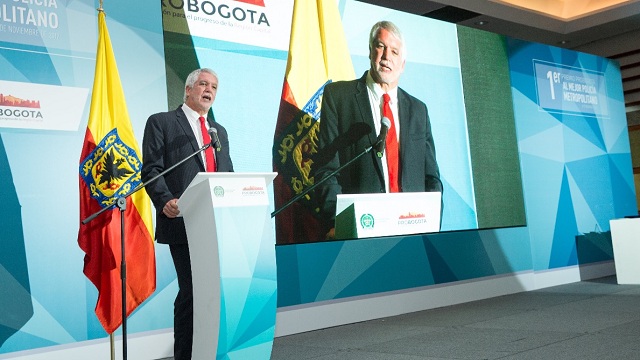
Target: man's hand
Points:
(331, 235)
(170, 209)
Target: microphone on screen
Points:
(382, 138)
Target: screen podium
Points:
(372, 215)
(626, 249)
(233, 264)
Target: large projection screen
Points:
(460, 74)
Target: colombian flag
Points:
(110, 166)
(318, 54)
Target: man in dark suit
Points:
(169, 137)
(346, 103)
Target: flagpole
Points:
(122, 205)
(113, 347)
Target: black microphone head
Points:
(213, 135)
(215, 141)
(380, 142)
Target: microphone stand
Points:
(121, 203)
(331, 174)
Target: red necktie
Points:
(208, 153)
(391, 146)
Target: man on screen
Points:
(170, 137)
(408, 160)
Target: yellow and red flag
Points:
(318, 54)
(110, 166)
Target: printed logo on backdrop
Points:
(32, 22)
(263, 23)
(254, 2)
(111, 170)
(570, 90)
(12, 107)
(41, 107)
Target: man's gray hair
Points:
(390, 27)
(193, 77)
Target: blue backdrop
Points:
(575, 164)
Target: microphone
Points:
(215, 141)
(382, 138)
(355, 132)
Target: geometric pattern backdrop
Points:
(46, 299)
(576, 162)
(574, 211)
(576, 175)
(309, 273)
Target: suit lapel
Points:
(364, 107)
(186, 128)
(406, 154)
(403, 114)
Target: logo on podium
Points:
(367, 221)
(218, 191)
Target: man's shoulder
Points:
(340, 84)
(402, 94)
(343, 87)
(166, 114)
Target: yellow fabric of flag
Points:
(110, 165)
(318, 53)
(318, 49)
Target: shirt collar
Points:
(190, 113)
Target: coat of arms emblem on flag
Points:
(111, 170)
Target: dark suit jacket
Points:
(347, 102)
(168, 139)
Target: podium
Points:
(372, 215)
(626, 249)
(233, 265)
